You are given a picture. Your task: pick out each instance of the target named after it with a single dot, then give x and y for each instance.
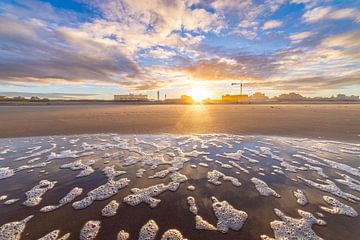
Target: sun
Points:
(199, 93)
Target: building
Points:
(187, 99)
(131, 97)
(234, 98)
(184, 99)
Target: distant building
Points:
(35, 99)
(184, 99)
(3, 97)
(234, 98)
(131, 97)
(258, 96)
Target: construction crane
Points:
(241, 87)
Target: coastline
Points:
(326, 121)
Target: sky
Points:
(97, 48)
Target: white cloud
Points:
(272, 24)
(321, 13)
(298, 37)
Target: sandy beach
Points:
(328, 121)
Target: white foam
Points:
(201, 224)
(228, 217)
(122, 235)
(69, 197)
(338, 207)
(263, 188)
(78, 165)
(140, 172)
(11, 201)
(34, 195)
(330, 187)
(214, 176)
(300, 197)
(110, 209)
(54, 235)
(13, 230)
(349, 181)
(147, 195)
(203, 164)
(90, 230)
(192, 205)
(6, 172)
(172, 234)
(319, 170)
(293, 228)
(149, 231)
(111, 173)
(39, 153)
(102, 192)
(3, 197)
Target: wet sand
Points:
(172, 211)
(328, 121)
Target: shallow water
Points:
(179, 153)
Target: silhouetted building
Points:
(186, 99)
(234, 98)
(290, 97)
(35, 99)
(258, 96)
(131, 97)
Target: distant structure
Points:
(158, 95)
(234, 98)
(131, 98)
(184, 99)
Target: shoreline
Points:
(119, 103)
(327, 121)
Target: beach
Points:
(327, 121)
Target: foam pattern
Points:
(6, 172)
(338, 207)
(110, 209)
(300, 197)
(122, 235)
(13, 230)
(202, 224)
(172, 234)
(147, 195)
(228, 217)
(85, 168)
(263, 188)
(69, 197)
(192, 205)
(315, 165)
(214, 176)
(102, 192)
(90, 230)
(149, 231)
(293, 228)
(54, 235)
(34, 195)
(330, 187)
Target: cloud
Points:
(34, 52)
(322, 13)
(298, 37)
(272, 24)
(50, 95)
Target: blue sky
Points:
(94, 49)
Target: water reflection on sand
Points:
(251, 172)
